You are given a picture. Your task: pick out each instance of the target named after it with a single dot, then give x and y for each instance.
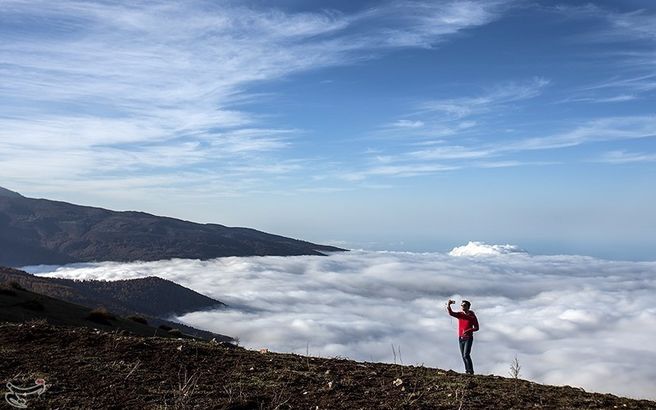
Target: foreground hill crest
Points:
(40, 231)
(92, 369)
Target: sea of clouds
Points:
(570, 320)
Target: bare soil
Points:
(93, 369)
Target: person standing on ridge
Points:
(467, 325)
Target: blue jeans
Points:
(465, 350)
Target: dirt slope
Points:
(94, 369)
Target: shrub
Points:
(101, 316)
(138, 319)
(515, 368)
(175, 333)
(16, 285)
(8, 292)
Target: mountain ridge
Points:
(151, 295)
(19, 305)
(41, 231)
(152, 298)
(9, 193)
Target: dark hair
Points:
(466, 303)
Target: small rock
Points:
(397, 382)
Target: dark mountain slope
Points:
(154, 298)
(91, 370)
(9, 194)
(151, 296)
(40, 231)
(20, 305)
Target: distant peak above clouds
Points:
(40, 231)
(474, 248)
(7, 193)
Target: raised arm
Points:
(448, 308)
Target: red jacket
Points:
(467, 323)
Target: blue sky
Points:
(379, 125)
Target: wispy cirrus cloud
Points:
(636, 84)
(396, 169)
(605, 99)
(450, 152)
(496, 97)
(632, 37)
(620, 26)
(599, 130)
(624, 157)
(421, 24)
(469, 143)
(156, 85)
(406, 124)
(440, 156)
(438, 122)
(446, 118)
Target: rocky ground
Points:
(87, 368)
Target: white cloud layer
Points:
(474, 248)
(571, 320)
